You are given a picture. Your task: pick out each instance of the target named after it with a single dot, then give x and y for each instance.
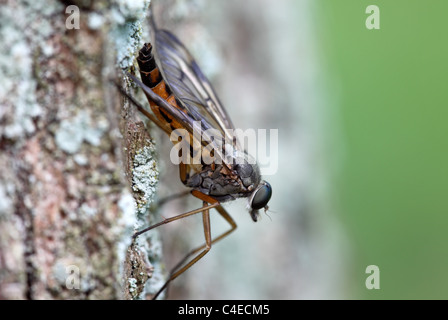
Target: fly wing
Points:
(187, 120)
(189, 85)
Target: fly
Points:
(181, 97)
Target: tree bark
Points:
(73, 156)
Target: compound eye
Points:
(262, 196)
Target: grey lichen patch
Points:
(127, 40)
(126, 224)
(144, 177)
(127, 207)
(74, 131)
(145, 252)
(127, 18)
(52, 89)
(16, 78)
(132, 284)
(25, 29)
(147, 248)
(6, 204)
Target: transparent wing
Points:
(187, 82)
(187, 120)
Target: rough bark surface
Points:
(66, 207)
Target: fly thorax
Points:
(247, 170)
(215, 180)
(234, 180)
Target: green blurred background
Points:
(391, 91)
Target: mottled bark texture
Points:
(67, 147)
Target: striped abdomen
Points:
(151, 76)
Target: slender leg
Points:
(233, 226)
(208, 203)
(206, 248)
(224, 214)
(180, 216)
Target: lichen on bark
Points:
(66, 210)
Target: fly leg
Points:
(204, 249)
(180, 216)
(223, 213)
